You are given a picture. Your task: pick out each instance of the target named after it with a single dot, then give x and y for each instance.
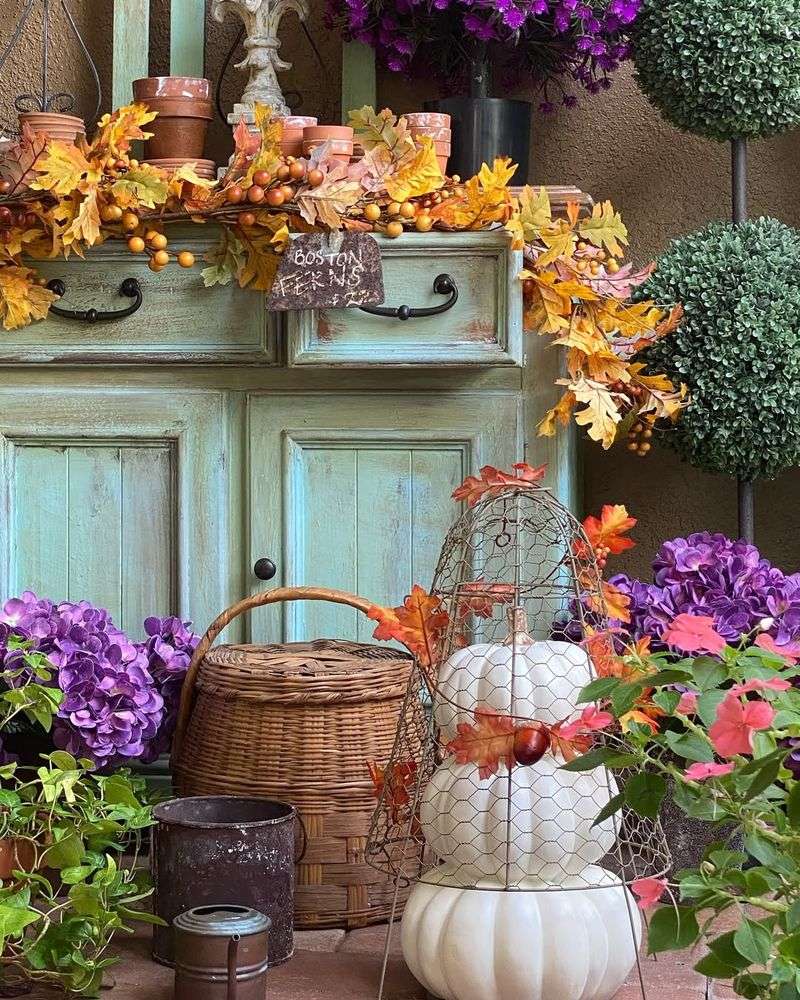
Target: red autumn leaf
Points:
(420, 623)
(482, 597)
(492, 482)
(396, 787)
(610, 601)
(599, 644)
(488, 743)
(694, 634)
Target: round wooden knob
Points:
(265, 569)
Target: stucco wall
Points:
(614, 146)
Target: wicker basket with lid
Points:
(299, 722)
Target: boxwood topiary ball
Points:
(724, 69)
(738, 347)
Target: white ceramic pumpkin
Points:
(465, 819)
(545, 677)
(484, 944)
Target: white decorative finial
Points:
(262, 19)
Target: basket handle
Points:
(221, 621)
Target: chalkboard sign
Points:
(328, 271)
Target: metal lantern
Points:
(510, 840)
(56, 18)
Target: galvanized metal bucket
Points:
(221, 953)
(220, 847)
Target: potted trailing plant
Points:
(727, 739)
(544, 42)
(69, 842)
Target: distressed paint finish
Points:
(116, 496)
(358, 488)
(187, 38)
(131, 47)
(484, 327)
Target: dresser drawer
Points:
(179, 320)
(483, 327)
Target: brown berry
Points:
(261, 178)
(31, 219)
(255, 194)
(159, 242)
(394, 229)
(633, 446)
(20, 219)
(408, 210)
(644, 448)
(283, 173)
(5, 186)
(297, 170)
(155, 267)
(372, 212)
(130, 221)
(424, 223)
(530, 744)
(161, 257)
(234, 195)
(247, 219)
(315, 178)
(5, 216)
(275, 197)
(121, 165)
(288, 192)
(393, 208)
(186, 258)
(612, 266)
(136, 244)
(647, 434)
(110, 213)
(133, 164)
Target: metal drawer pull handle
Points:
(265, 569)
(442, 285)
(130, 288)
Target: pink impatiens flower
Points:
(649, 891)
(699, 772)
(790, 652)
(688, 703)
(591, 720)
(760, 684)
(732, 732)
(694, 634)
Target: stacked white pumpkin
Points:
(518, 908)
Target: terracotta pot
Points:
(329, 132)
(171, 86)
(340, 149)
(442, 159)
(180, 130)
(65, 128)
(207, 169)
(427, 119)
(292, 140)
(297, 122)
(432, 131)
(16, 854)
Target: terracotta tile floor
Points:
(329, 965)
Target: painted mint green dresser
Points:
(146, 464)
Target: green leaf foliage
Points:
(671, 929)
(722, 70)
(738, 346)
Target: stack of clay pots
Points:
(292, 138)
(340, 138)
(65, 128)
(437, 127)
(179, 132)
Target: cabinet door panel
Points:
(115, 497)
(353, 491)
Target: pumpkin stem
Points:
(518, 634)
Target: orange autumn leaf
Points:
(488, 743)
(611, 602)
(599, 644)
(479, 597)
(608, 531)
(569, 747)
(492, 482)
(419, 624)
(646, 715)
(394, 785)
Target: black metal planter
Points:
(486, 127)
(217, 847)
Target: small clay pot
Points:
(425, 119)
(179, 131)
(292, 140)
(150, 87)
(297, 122)
(432, 131)
(65, 128)
(441, 159)
(340, 149)
(329, 132)
(207, 169)
(16, 854)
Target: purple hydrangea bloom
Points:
(120, 697)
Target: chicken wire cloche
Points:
(521, 891)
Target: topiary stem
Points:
(747, 528)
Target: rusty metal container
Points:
(221, 953)
(220, 847)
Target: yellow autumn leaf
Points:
(85, 227)
(117, 131)
(63, 169)
(599, 414)
(485, 199)
(382, 129)
(263, 245)
(22, 298)
(144, 186)
(419, 176)
(560, 242)
(268, 156)
(582, 335)
(534, 211)
(559, 415)
(604, 228)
